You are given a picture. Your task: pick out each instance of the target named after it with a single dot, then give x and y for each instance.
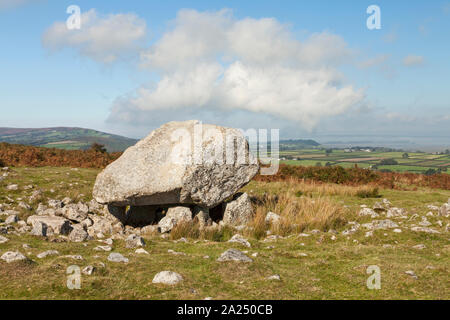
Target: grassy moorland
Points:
(309, 249)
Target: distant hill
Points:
(297, 144)
(65, 138)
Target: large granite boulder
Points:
(163, 169)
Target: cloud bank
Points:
(101, 38)
(212, 63)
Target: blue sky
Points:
(321, 73)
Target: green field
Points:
(414, 163)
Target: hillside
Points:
(64, 138)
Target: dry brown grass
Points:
(313, 188)
(299, 214)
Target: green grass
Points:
(331, 269)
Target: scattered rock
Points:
(3, 239)
(201, 216)
(424, 229)
(12, 219)
(274, 277)
(239, 211)
(167, 277)
(425, 222)
(174, 216)
(176, 253)
(12, 187)
(117, 257)
(39, 229)
(272, 218)
(141, 251)
(103, 248)
(47, 253)
(147, 230)
(412, 274)
(368, 212)
(237, 238)
(88, 270)
(78, 234)
(234, 255)
(396, 213)
(134, 241)
(58, 225)
(11, 256)
(419, 246)
(381, 224)
(75, 212)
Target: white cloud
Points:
(212, 61)
(102, 38)
(413, 60)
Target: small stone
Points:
(272, 218)
(12, 187)
(103, 248)
(11, 256)
(141, 251)
(419, 246)
(12, 219)
(397, 230)
(74, 257)
(424, 229)
(47, 253)
(167, 277)
(78, 234)
(234, 255)
(117, 257)
(88, 270)
(412, 274)
(134, 241)
(274, 277)
(176, 253)
(237, 238)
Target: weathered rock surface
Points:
(76, 212)
(239, 211)
(164, 169)
(234, 255)
(117, 257)
(59, 225)
(134, 241)
(272, 218)
(11, 256)
(237, 238)
(167, 277)
(47, 253)
(78, 234)
(174, 216)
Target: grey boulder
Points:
(239, 211)
(174, 216)
(164, 169)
